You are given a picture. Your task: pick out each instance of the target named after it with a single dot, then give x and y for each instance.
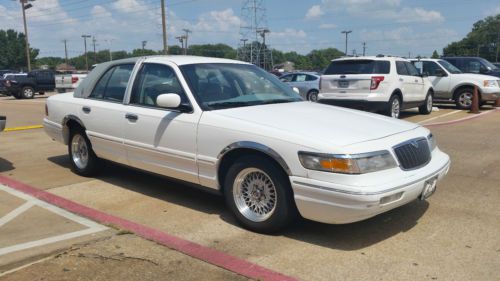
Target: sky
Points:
(395, 27)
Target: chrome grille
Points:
(413, 154)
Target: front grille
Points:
(413, 154)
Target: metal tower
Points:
(253, 31)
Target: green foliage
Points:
(435, 55)
(13, 50)
(483, 40)
(212, 50)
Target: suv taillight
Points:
(376, 81)
(74, 80)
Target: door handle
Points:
(86, 109)
(131, 117)
(401, 79)
(416, 80)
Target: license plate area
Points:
(343, 84)
(429, 188)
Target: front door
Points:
(157, 139)
(440, 84)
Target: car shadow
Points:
(346, 237)
(6, 165)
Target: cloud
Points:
(127, 6)
(314, 12)
(327, 26)
(289, 33)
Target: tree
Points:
(13, 50)
(435, 55)
(483, 40)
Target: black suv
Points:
(474, 65)
(25, 87)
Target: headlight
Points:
(490, 83)
(432, 141)
(348, 163)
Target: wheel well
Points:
(312, 90)
(398, 93)
(229, 158)
(471, 87)
(69, 125)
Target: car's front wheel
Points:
(258, 193)
(82, 157)
(463, 98)
(27, 92)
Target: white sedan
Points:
(232, 127)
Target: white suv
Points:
(382, 83)
(450, 84)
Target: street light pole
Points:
(85, 44)
(24, 7)
(164, 27)
(346, 32)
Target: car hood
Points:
(318, 122)
(477, 77)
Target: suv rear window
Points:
(358, 67)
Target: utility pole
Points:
(346, 32)
(262, 32)
(143, 46)
(85, 44)
(409, 55)
(181, 40)
(164, 26)
(364, 48)
(186, 36)
(95, 53)
(25, 6)
(65, 51)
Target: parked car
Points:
(5, 81)
(306, 82)
(3, 121)
(451, 85)
(497, 64)
(68, 82)
(35, 81)
(382, 84)
(230, 126)
(4, 71)
(474, 65)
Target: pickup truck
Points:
(68, 82)
(235, 129)
(25, 87)
(451, 85)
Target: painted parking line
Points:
(200, 252)
(22, 128)
(92, 227)
(436, 117)
(474, 116)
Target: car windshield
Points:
(358, 67)
(449, 67)
(227, 85)
(488, 64)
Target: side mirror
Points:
(295, 89)
(168, 100)
(440, 73)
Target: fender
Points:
(466, 84)
(65, 121)
(257, 147)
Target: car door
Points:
(440, 83)
(158, 139)
(103, 113)
(417, 82)
(407, 87)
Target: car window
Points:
(412, 70)
(472, 66)
(401, 68)
(113, 83)
(358, 66)
(153, 80)
(430, 68)
(300, 78)
(311, 78)
(286, 78)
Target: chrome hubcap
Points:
(28, 92)
(395, 108)
(465, 99)
(254, 194)
(79, 151)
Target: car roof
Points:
(371, 58)
(176, 59)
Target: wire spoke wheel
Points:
(254, 194)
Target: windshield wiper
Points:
(225, 104)
(276, 101)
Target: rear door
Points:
(407, 87)
(347, 79)
(45, 80)
(417, 82)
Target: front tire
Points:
(393, 107)
(463, 98)
(258, 193)
(426, 108)
(27, 92)
(82, 157)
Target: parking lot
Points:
(451, 236)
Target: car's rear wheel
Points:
(27, 92)
(426, 108)
(82, 157)
(393, 107)
(463, 98)
(312, 96)
(258, 193)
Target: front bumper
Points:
(490, 96)
(337, 204)
(54, 130)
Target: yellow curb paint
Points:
(23, 128)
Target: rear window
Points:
(358, 67)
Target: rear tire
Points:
(258, 193)
(312, 96)
(83, 160)
(27, 92)
(426, 108)
(393, 107)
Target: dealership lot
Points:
(452, 236)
